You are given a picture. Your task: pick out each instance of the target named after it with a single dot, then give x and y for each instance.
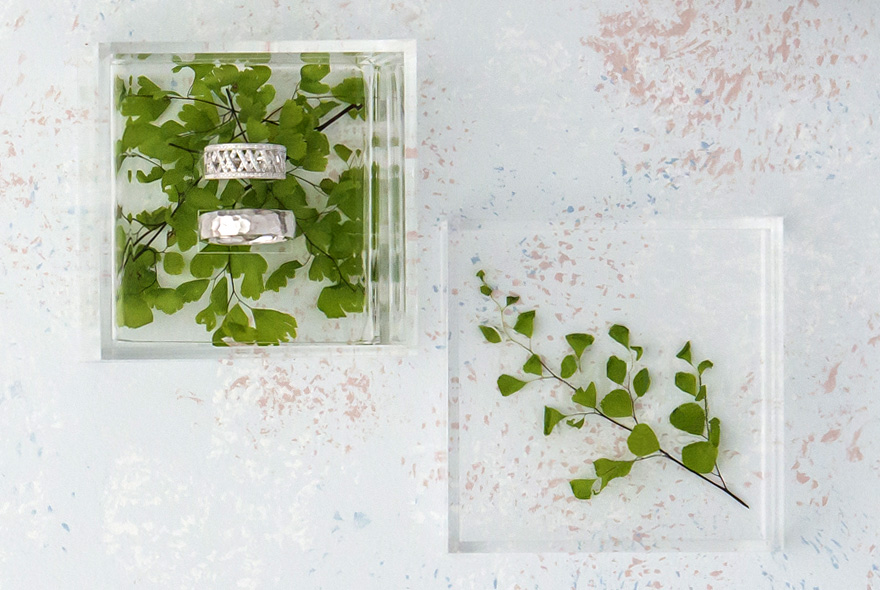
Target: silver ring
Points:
(245, 160)
(243, 227)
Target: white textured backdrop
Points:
(331, 473)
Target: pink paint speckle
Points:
(853, 452)
(831, 382)
(705, 77)
(831, 435)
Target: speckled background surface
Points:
(670, 282)
(331, 472)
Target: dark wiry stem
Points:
(235, 115)
(662, 453)
(216, 104)
(351, 107)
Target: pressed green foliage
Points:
(689, 417)
(350, 90)
(525, 323)
(620, 334)
(569, 366)
(257, 130)
(615, 369)
(579, 343)
(700, 456)
(685, 353)
(312, 74)
(140, 274)
(617, 404)
(235, 328)
(641, 382)
(642, 441)
(169, 300)
(155, 174)
(490, 334)
(582, 489)
(343, 152)
(274, 327)
(714, 432)
(217, 306)
(339, 300)
(251, 78)
(608, 470)
(533, 365)
(686, 382)
(324, 268)
(134, 312)
(311, 79)
(161, 142)
(509, 384)
(173, 263)
(281, 275)
(317, 150)
(250, 267)
(193, 290)
(585, 397)
(199, 117)
(150, 218)
(552, 417)
(204, 264)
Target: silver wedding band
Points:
(265, 161)
(245, 227)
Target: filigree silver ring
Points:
(264, 161)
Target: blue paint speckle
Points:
(65, 527)
(361, 520)
(15, 390)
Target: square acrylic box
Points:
(518, 467)
(329, 267)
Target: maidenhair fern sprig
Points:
(161, 264)
(620, 406)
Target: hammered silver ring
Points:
(245, 227)
(266, 161)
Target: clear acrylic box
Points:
(345, 111)
(716, 284)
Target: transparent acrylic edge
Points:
(453, 392)
(110, 348)
(92, 264)
(773, 527)
(776, 331)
